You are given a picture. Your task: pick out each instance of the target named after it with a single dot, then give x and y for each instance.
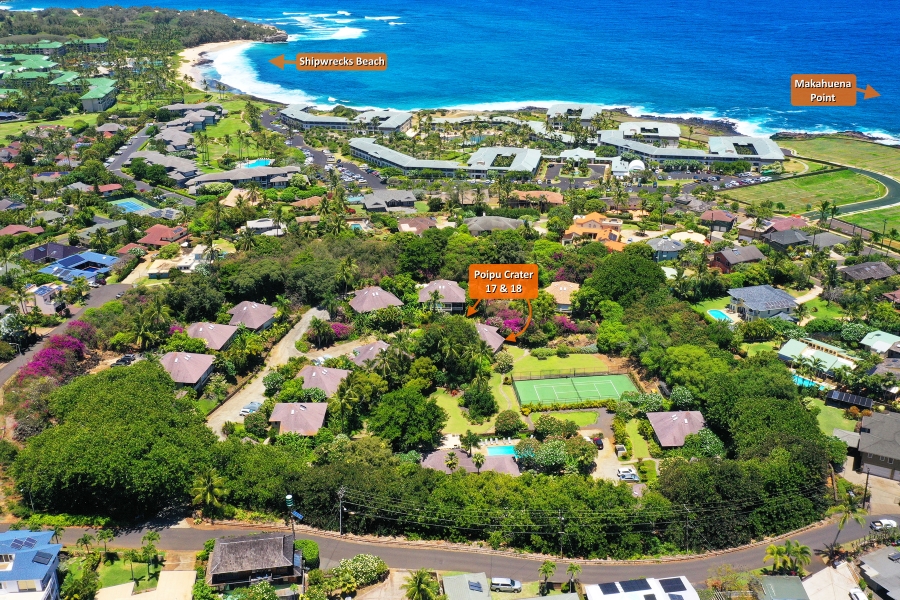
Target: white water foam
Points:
(382, 18)
(347, 33)
(343, 12)
(236, 70)
(396, 23)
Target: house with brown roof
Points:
(893, 298)
(594, 227)
(302, 418)
(453, 297)
(187, 369)
(109, 189)
(785, 223)
(364, 354)
(241, 560)
(672, 427)
(535, 198)
(718, 220)
(562, 292)
(217, 336)
(416, 225)
(727, 259)
(373, 298)
(162, 235)
(867, 271)
(324, 378)
(20, 229)
(310, 203)
(490, 336)
(253, 315)
(129, 247)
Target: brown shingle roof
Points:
(450, 291)
(672, 427)
(373, 298)
(251, 314)
(324, 378)
(308, 203)
(562, 291)
(489, 336)
(719, 216)
(186, 368)
(534, 196)
(216, 336)
(416, 225)
(369, 352)
(251, 553)
(787, 223)
(302, 418)
(868, 270)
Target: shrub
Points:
(503, 362)
(547, 426)
(310, 550)
(7, 352)
(365, 569)
(543, 353)
(565, 325)
(170, 251)
(563, 351)
(85, 332)
(508, 423)
(341, 331)
(272, 383)
(257, 424)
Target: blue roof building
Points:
(28, 564)
(86, 264)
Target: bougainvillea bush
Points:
(85, 332)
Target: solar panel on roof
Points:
(649, 596)
(846, 398)
(42, 558)
(673, 584)
(17, 544)
(30, 542)
(609, 589)
(676, 597)
(475, 586)
(634, 585)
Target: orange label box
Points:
(503, 282)
(823, 90)
(334, 61)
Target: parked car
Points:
(119, 295)
(598, 441)
(502, 584)
(250, 409)
(626, 471)
(883, 524)
(858, 594)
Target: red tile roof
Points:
(19, 229)
(110, 187)
(787, 223)
(128, 247)
(161, 235)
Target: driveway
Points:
(98, 296)
(253, 391)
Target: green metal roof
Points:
(64, 78)
(26, 75)
(100, 87)
(96, 40)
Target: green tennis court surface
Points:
(569, 390)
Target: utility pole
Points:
(833, 482)
(866, 491)
(341, 493)
(561, 533)
(687, 527)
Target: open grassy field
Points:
(457, 423)
(874, 219)
(805, 193)
(555, 363)
(877, 157)
(716, 303)
(757, 347)
(820, 309)
(639, 446)
(831, 418)
(17, 127)
(582, 419)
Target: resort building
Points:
(671, 428)
(384, 121)
(760, 302)
(324, 378)
(176, 140)
(97, 44)
(364, 354)
(301, 418)
(827, 357)
(277, 177)
(177, 168)
(562, 292)
(727, 259)
(253, 315)
(559, 115)
(217, 337)
(186, 369)
(101, 94)
(665, 134)
(182, 109)
(757, 151)
(297, 116)
(30, 564)
(45, 47)
(373, 298)
(452, 296)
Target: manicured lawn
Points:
(119, 572)
(421, 206)
(206, 406)
(756, 348)
(530, 589)
(582, 419)
(843, 187)
(555, 363)
(18, 127)
(457, 423)
(874, 219)
(820, 309)
(639, 448)
(877, 157)
(717, 303)
(831, 418)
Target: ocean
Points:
(712, 59)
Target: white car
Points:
(626, 471)
(883, 524)
(858, 594)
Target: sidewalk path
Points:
(810, 295)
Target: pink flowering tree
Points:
(83, 331)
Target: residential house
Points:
(727, 259)
(665, 248)
(127, 248)
(217, 336)
(828, 358)
(879, 342)
(7, 204)
(535, 198)
(889, 367)
(594, 227)
(310, 203)
(242, 560)
(47, 298)
(110, 189)
(175, 139)
(483, 225)
(324, 378)
(562, 292)
(718, 220)
(417, 225)
(781, 587)
(49, 216)
(364, 354)
(178, 169)
(51, 252)
(264, 226)
(894, 351)
(640, 589)
(760, 302)
(20, 229)
(302, 418)
(84, 235)
(784, 241)
(672, 427)
(881, 571)
(867, 271)
(879, 444)
(30, 564)
(188, 369)
(437, 460)
(467, 586)
(490, 336)
(253, 315)
(110, 128)
(389, 201)
(831, 584)
(373, 298)
(452, 296)
(162, 235)
(86, 264)
(893, 298)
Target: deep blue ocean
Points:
(717, 59)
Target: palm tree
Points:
(347, 273)
(246, 240)
(469, 441)
(57, 532)
(546, 570)
(283, 306)
(452, 461)
(131, 556)
(848, 512)
(573, 571)
(798, 555)
(208, 490)
(478, 460)
(86, 540)
(151, 537)
(105, 535)
(421, 586)
(778, 556)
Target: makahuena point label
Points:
(334, 61)
(827, 90)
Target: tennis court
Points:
(130, 205)
(569, 390)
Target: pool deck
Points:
(735, 318)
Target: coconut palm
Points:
(848, 512)
(798, 555)
(478, 460)
(105, 535)
(208, 490)
(777, 554)
(57, 532)
(546, 570)
(246, 240)
(421, 586)
(131, 556)
(469, 441)
(86, 541)
(452, 461)
(573, 571)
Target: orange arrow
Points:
(473, 309)
(279, 61)
(868, 93)
(512, 337)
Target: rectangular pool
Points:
(501, 450)
(259, 162)
(804, 382)
(718, 315)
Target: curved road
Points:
(890, 198)
(181, 538)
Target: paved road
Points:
(98, 296)
(253, 391)
(525, 569)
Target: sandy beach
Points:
(190, 57)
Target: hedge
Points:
(310, 550)
(527, 409)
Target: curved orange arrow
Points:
(512, 337)
(473, 309)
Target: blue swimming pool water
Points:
(259, 162)
(354, 199)
(718, 315)
(501, 450)
(356, 226)
(804, 382)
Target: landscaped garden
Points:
(582, 419)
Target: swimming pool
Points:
(718, 315)
(804, 382)
(501, 450)
(259, 162)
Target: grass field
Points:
(874, 219)
(877, 157)
(456, 422)
(118, 572)
(582, 419)
(805, 193)
(568, 390)
(554, 363)
(819, 309)
(639, 448)
(756, 348)
(831, 418)
(716, 303)
(17, 127)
